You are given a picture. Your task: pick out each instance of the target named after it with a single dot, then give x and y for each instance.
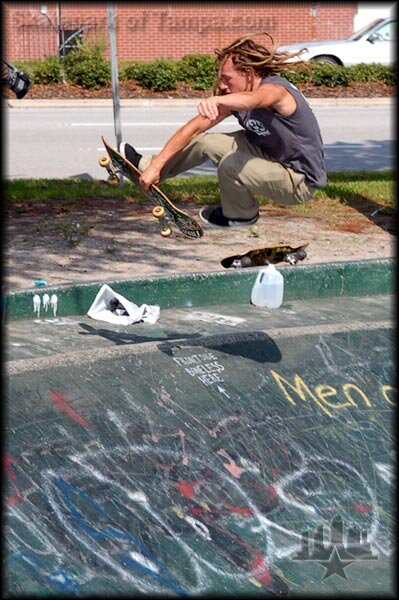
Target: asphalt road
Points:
(65, 142)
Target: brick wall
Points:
(169, 29)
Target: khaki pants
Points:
(243, 170)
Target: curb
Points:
(178, 102)
(347, 278)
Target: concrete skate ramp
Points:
(248, 452)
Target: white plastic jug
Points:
(268, 289)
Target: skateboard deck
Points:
(164, 210)
(264, 256)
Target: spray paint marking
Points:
(62, 405)
(231, 466)
(185, 457)
(9, 461)
(46, 302)
(54, 303)
(36, 304)
(26, 563)
(362, 508)
(151, 565)
(222, 423)
(187, 488)
(259, 569)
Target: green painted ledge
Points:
(347, 278)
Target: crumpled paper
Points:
(111, 307)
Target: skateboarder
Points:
(278, 153)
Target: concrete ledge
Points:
(347, 278)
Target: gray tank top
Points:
(294, 141)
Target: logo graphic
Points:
(335, 555)
(257, 127)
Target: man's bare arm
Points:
(179, 140)
(268, 95)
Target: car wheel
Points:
(324, 58)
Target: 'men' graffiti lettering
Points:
(324, 394)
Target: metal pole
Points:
(114, 75)
(59, 42)
(313, 14)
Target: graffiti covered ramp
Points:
(230, 450)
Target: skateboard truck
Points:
(113, 179)
(166, 225)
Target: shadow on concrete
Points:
(120, 338)
(83, 177)
(373, 155)
(254, 345)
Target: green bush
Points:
(87, 67)
(128, 70)
(372, 72)
(158, 75)
(48, 71)
(329, 75)
(390, 75)
(298, 75)
(199, 70)
(45, 71)
(334, 75)
(27, 67)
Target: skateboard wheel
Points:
(104, 161)
(158, 212)
(166, 232)
(301, 254)
(245, 262)
(113, 180)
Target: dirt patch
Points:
(109, 239)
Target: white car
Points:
(374, 43)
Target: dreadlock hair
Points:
(248, 55)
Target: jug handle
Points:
(260, 276)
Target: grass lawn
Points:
(368, 188)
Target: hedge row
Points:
(86, 66)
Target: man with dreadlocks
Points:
(278, 153)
